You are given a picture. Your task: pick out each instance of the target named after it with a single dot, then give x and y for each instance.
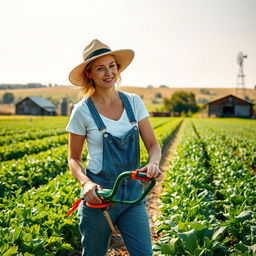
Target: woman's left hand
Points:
(152, 170)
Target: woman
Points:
(110, 121)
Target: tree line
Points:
(21, 86)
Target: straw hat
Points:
(95, 50)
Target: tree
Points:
(8, 98)
(202, 101)
(158, 95)
(181, 102)
(204, 91)
(247, 98)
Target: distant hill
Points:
(153, 97)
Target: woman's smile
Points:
(108, 80)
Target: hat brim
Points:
(123, 58)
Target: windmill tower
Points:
(240, 83)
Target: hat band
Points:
(97, 52)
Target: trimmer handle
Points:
(108, 195)
(136, 175)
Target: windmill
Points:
(240, 76)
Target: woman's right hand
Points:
(90, 195)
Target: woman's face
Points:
(104, 72)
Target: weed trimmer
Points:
(109, 195)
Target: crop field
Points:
(37, 189)
(208, 199)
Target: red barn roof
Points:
(230, 99)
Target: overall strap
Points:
(127, 107)
(95, 114)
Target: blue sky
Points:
(179, 43)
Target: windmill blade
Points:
(240, 58)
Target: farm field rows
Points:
(37, 189)
(209, 198)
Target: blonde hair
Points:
(88, 87)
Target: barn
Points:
(157, 114)
(230, 106)
(34, 105)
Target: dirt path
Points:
(117, 247)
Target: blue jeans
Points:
(131, 220)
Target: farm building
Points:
(35, 106)
(160, 114)
(230, 106)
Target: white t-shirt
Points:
(81, 122)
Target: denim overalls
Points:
(119, 155)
